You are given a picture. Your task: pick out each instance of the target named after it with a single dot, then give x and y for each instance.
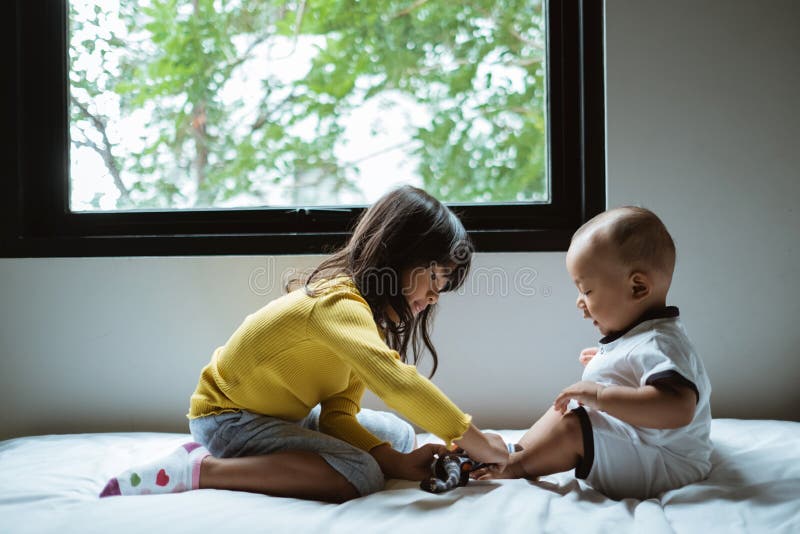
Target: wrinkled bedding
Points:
(50, 484)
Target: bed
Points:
(50, 484)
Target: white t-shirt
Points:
(659, 348)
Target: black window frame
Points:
(35, 219)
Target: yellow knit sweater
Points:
(299, 351)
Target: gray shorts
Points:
(244, 433)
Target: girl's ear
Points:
(640, 285)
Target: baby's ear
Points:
(640, 285)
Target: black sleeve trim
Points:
(675, 377)
(584, 466)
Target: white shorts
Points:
(620, 465)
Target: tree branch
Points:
(518, 36)
(246, 54)
(105, 150)
(407, 11)
(198, 131)
(298, 23)
(267, 116)
(379, 152)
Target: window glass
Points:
(181, 104)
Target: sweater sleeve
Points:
(342, 320)
(338, 417)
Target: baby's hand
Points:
(587, 355)
(513, 469)
(585, 392)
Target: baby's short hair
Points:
(638, 235)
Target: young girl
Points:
(277, 410)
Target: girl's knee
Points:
(389, 427)
(407, 441)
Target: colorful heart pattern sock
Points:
(179, 471)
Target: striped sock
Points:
(176, 472)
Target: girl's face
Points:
(422, 285)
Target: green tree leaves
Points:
(222, 124)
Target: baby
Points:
(638, 422)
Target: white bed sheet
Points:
(50, 484)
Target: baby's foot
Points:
(179, 471)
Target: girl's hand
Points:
(485, 448)
(513, 469)
(587, 355)
(416, 465)
(585, 392)
(497, 458)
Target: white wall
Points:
(702, 128)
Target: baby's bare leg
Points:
(552, 445)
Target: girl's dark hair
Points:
(405, 229)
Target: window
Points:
(219, 127)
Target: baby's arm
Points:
(667, 403)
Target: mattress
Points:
(50, 484)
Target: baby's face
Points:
(605, 295)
